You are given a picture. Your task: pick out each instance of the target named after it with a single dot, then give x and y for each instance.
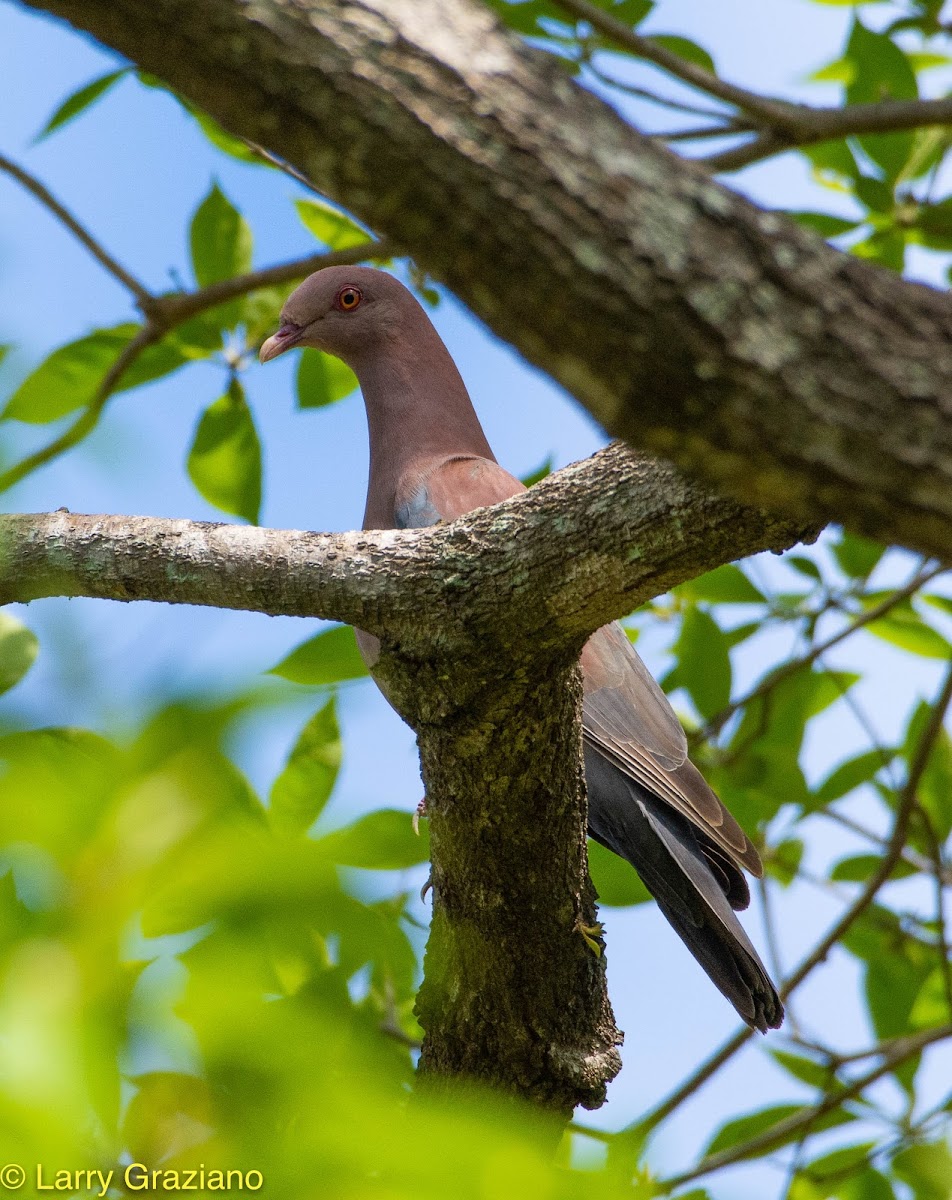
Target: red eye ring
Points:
(348, 298)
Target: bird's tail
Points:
(665, 851)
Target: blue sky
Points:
(134, 172)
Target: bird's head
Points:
(345, 311)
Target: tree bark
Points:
(685, 319)
(481, 624)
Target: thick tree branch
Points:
(481, 623)
(604, 535)
(688, 321)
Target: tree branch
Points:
(628, 528)
(79, 231)
(899, 1050)
(164, 314)
(810, 381)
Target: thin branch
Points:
(717, 722)
(893, 850)
(89, 418)
(901, 1051)
(80, 232)
(945, 962)
(891, 855)
(642, 93)
(769, 110)
(164, 314)
(785, 124)
(177, 307)
(909, 855)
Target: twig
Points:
(770, 111)
(891, 855)
(784, 124)
(89, 419)
(935, 849)
(893, 850)
(902, 1050)
(911, 856)
(717, 722)
(80, 232)
(164, 314)
(641, 93)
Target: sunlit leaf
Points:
(220, 240)
(322, 379)
(927, 1169)
(703, 663)
(380, 841)
(330, 656)
(807, 1070)
(724, 585)
(542, 471)
(850, 775)
(330, 227)
(616, 881)
(783, 860)
(301, 791)
(18, 650)
(71, 376)
(741, 1129)
(685, 48)
(881, 72)
(826, 224)
(905, 628)
(224, 461)
(858, 867)
(857, 555)
(80, 100)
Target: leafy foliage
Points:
(191, 975)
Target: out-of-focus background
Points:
(134, 169)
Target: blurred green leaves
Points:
(18, 649)
(326, 658)
(322, 379)
(304, 786)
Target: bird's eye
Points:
(348, 298)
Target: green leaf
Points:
(804, 566)
(329, 657)
(881, 72)
(935, 786)
(856, 555)
(221, 139)
(876, 195)
(80, 100)
(300, 792)
(322, 379)
(783, 860)
(220, 240)
(849, 775)
(858, 868)
(70, 377)
(684, 48)
(224, 462)
(381, 841)
(331, 228)
(884, 246)
(18, 650)
(812, 1073)
(826, 224)
(703, 663)
(542, 471)
(904, 627)
(831, 159)
(741, 1129)
(616, 881)
(724, 585)
(927, 1169)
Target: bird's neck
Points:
(418, 413)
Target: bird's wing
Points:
(447, 488)
(627, 717)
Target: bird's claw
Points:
(427, 887)
(420, 812)
(592, 935)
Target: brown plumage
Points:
(430, 462)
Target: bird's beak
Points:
(277, 343)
